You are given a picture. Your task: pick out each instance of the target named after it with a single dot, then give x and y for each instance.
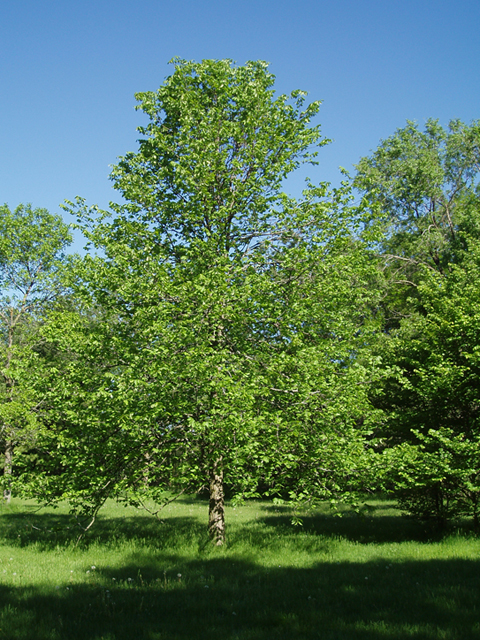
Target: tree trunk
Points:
(7, 470)
(216, 513)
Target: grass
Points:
(133, 577)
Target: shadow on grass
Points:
(161, 593)
(51, 529)
(237, 600)
(373, 526)
(47, 531)
(364, 529)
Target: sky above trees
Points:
(69, 70)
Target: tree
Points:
(432, 397)
(427, 188)
(32, 242)
(233, 310)
(424, 186)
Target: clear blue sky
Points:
(69, 69)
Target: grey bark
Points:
(7, 470)
(216, 512)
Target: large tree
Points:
(233, 314)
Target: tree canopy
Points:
(223, 335)
(32, 245)
(427, 187)
(228, 313)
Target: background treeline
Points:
(221, 335)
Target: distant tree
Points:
(426, 187)
(423, 186)
(32, 242)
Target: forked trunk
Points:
(7, 470)
(216, 512)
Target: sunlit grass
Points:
(379, 577)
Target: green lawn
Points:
(134, 577)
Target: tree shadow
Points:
(47, 530)
(160, 593)
(371, 526)
(169, 599)
(362, 529)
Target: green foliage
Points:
(427, 186)
(424, 186)
(229, 318)
(32, 242)
(433, 399)
(212, 160)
